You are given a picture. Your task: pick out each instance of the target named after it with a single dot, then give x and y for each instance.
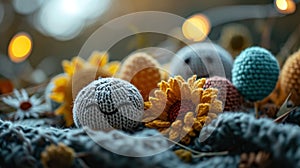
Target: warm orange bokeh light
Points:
(285, 6)
(196, 28)
(20, 47)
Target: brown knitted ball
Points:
(227, 92)
(141, 70)
(290, 74)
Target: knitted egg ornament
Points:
(142, 71)
(255, 73)
(227, 92)
(107, 103)
(203, 59)
(290, 76)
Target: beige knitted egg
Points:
(141, 70)
(290, 77)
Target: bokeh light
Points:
(26, 7)
(196, 28)
(285, 6)
(65, 19)
(20, 47)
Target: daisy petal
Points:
(18, 95)
(24, 94)
(11, 102)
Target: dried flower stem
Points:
(198, 154)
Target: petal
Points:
(174, 85)
(196, 95)
(11, 102)
(24, 94)
(179, 78)
(58, 97)
(61, 80)
(157, 103)
(160, 95)
(185, 91)
(200, 83)
(113, 67)
(191, 80)
(202, 109)
(35, 101)
(18, 95)
(98, 58)
(163, 86)
(171, 96)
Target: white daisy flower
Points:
(27, 107)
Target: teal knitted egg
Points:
(255, 73)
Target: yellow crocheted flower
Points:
(64, 91)
(180, 108)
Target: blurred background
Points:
(36, 35)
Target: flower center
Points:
(25, 105)
(180, 108)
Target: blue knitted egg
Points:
(203, 59)
(255, 73)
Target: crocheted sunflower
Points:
(79, 73)
(179, 108)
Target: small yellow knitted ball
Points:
(290, 80)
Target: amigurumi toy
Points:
(290, 77)
(107, 103)
(142, 70)
(203, 59)
(255, 73)
(227, 92)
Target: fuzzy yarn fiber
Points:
(203, 59)
(106, 103)
(240, 132)
(255, 73)
(21, 146)
(227, 92)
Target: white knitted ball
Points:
(107, 103)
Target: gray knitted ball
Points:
(203, 59)
(107, 103)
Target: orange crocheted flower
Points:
(180, 108)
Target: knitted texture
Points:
(203, 59)
(235, 38)
(83, 77)
(255, 73)
(227, 92)
(106, 103)
(240, 132)
(22, 146)
(142, 71)
(290, 77)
